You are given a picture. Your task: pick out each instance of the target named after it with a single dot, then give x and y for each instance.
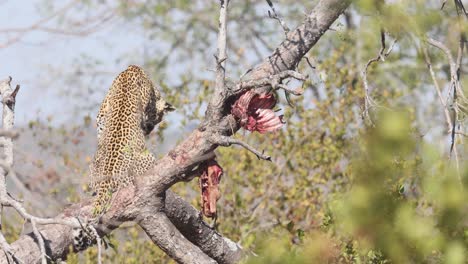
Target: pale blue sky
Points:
(31, 60)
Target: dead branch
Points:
(274, 81)
(455, 87)
(448, 119)
(454, 82)
(277, 17)
(381, 56)
(228, 141)
(9, 97)
(9, 100)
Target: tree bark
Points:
(147, 203)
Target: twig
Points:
(40, 241)
(7, 250)
(460, 8)
(309, 63)
(277, 17)
(7, 201)
(288, 90)
(228, 141)
(272, 80)
(381, 56)
(443, 4)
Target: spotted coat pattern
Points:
(131, 109)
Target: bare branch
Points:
(274, 81)
(442, 47)
(9, 100)
(40, 241)
(437, 86)
(22, 32)
(8, 117)
(277, 17)
(456, 88)
(381, 56)
(227, 141)
(443, 4)
(290, 91)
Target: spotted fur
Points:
(131, 109)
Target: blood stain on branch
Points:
(255, 113)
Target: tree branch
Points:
(455, 86)
(164, 234)
(381, 56)
(190, 222)
(139, 202)
(228, 141)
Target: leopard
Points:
(131, 109)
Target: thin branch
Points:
(457, 91)
(7, 249)
(460, 8)
(273, 80)
(38, 23)
(40, 241)
(227, 141)
(438, 89)
(381, 56)
(277, 17)
(443, 4)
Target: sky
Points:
(31, 60)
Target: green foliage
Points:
(339, 190)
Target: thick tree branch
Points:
(59, 237)
(164, 234)
(190, 222)
(299, 41)
(140, 202)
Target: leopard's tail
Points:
(102, 201)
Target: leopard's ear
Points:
(168, 107)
